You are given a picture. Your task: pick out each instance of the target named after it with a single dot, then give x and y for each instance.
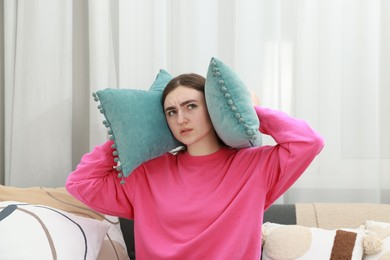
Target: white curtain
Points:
(38, 91)
(323, 61)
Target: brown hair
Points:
(190, 80)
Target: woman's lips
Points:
(185, 131)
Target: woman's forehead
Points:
(181, 94)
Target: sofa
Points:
(290, 231)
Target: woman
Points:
(207, 201)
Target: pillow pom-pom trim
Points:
(225, 91)
(118, 166)
(372, 243)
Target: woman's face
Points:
(187, 116)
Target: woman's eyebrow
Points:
(169, 108)
(187, 102)
(181, 104)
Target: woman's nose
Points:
(181, 118)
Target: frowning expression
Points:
(187, 116)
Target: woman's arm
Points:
(95, 182)
(297, 146)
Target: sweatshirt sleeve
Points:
(297, 146)
(95, 183)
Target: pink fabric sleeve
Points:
(95, 183)
(297, 146)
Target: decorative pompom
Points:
(118, 167)
(372, 243)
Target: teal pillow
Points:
(136, 122)
(230, 107)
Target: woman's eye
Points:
(191, 106)
(170, 113)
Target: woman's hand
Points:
(255, 99)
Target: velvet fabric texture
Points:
(230, 107)
(136, 123)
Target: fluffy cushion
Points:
(230, 107)
(136, 123)
(41, 232)
(113, 245)
(299, 242)
(382, 229)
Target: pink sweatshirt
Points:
(200, 207)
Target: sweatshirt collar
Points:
(221, 154)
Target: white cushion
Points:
(41, 232)
(299, 242)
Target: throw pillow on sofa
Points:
(299, 242)
(41, 232)
(113, 245)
